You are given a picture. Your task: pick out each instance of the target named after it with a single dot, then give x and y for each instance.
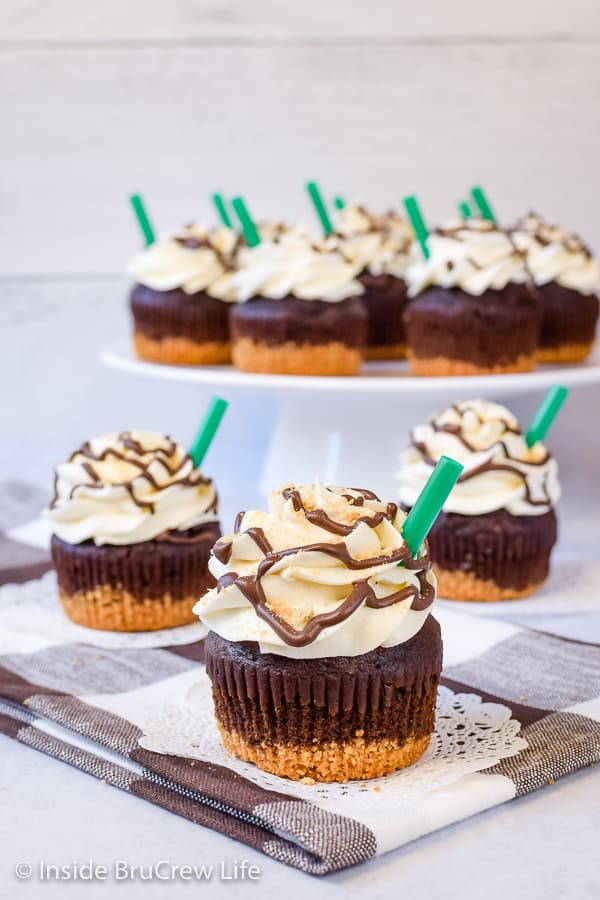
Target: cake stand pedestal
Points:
(340, 428)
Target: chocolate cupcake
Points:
(299, 312)
(494, 537)
(322, 653)
(175, 318)
(134, 522)
(382, 247)
(568, 280)
(475, 310)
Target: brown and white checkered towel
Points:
(74, 702)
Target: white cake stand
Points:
(340, 428)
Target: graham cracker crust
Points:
(290, 358)
(329, 762)
(563, 353)
(439, 366)
(181, 351)
(456, 585)
(111, 609)
(386, 351)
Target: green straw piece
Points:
(414, 214)
(221, 208)
(428, 504)
(339, 202)
(249, 229)
(319, 205)
(208, 429)
(465, 209)
(142, 216)
(482, 204)
(546, 414)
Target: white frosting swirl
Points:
(474, 255)
(293, 264)
(192, 259)
(554, 255)
(300, 581)
(127, 488)
(381, 245)
(501, 471)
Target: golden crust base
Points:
(563, 353)
(110, 609)
(290, 358)
(455, 585)
(331, 762)
(387, 351)
(180, 351)
(439, 366)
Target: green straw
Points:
(249, 229)
(546, 414)
(465, 209)
(319, 205)
(414, 214)
(339, 202)
(221, 208)
(208, 429)
(142, 216)
(428, 504)
(482, 204)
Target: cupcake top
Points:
(555, 255)
(290, 264)
(193, 259)
(127, 488)
(381, 245)
(471, 254)
(501, 471)
(324, 572)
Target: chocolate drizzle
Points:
(488, 465)
(320, 518)
(546, 235)
(192, 241)
(159, 455)
(362, 592)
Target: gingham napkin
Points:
(81, 704)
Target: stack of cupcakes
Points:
(298, 309)
(322, 652)
(176, 316)
(474, 309)
(567, 278)
(467, 298)
(494, 537)
(134, 521)
(382, 247)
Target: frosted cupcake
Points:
(494, 537)
(475, 310)
(568, 280)
(382, 247)
(134, 522)
(323, 656)
(299, 309)
(175, 317)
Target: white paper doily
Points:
(32, 618)
(470, 736)
(573, 586)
